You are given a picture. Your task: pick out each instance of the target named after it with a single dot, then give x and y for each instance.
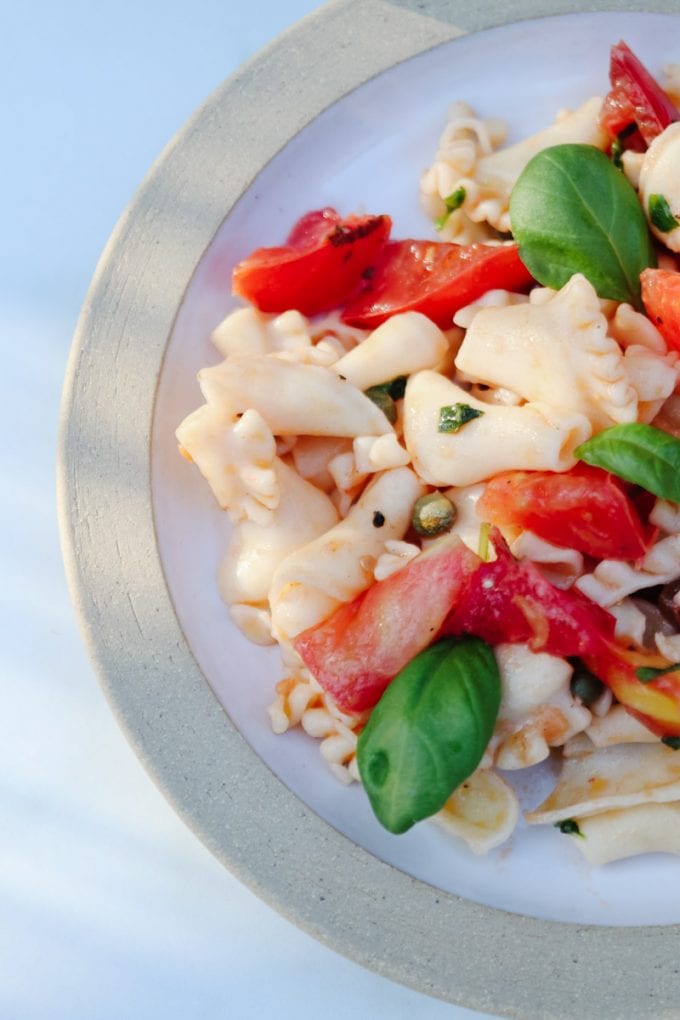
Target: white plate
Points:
(364, 152)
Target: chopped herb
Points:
(433, 514)
(383, 400)
(660, 214)
(618, 148)
(452, 202)
(483, 546)
(646, 674)
(378, 519)
(397, 387)
(569, 827)
(673, 742)
(453, 416)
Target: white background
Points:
(109, 906)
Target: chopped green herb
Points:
(569, 827)
(673, 742)
(618, 148)
(660, 214)
(646, 674)
(452, 202)
(433, 514)
(453, 416)
(382, 399)
(483, 546)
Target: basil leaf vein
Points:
(573, 212)
(638, 453)
(429, 730)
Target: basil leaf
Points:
(573, 212)
(453, 416)
(641, 454)
(569, 827)
(429, 730)
(660, 214)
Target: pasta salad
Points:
(452, 468)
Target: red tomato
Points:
(434, 278)
(319, 267)
(585, 509)
(364, 644)
(635, 96)
(661, 298)
(509, 601)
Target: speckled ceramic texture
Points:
(403, 928)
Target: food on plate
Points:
(452, 468)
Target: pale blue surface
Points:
(109, 906)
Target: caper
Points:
(383, 400)
(585, 685)
(433, 514)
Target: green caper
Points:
(433, 514)
(382, 399)
(585, 685)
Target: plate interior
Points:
(366, 153)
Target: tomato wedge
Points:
(434, 278)
(635, 97)
(357, 651)
(510, 601)
(585, 509)
(319, 267)
(661, 298)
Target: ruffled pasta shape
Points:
(313, 581)
(483, 811)
(294, 399)
(236, 457)
(644, 829)
(534, 436)
(560, 565)
(248, 332)
(612, 580)
(403, 344)
(466, 159)
(537, 709)
(557, 351)
(611, 778)
(302, 514)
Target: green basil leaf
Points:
(660, 214)
(641, 454)
(569, 827)
(573, 212)
(429, 730)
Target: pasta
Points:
(409, 463)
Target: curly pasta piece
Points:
(403, 344)
(620, 776)
(314, 580)
(612, 580)
(537, 709)
(236, 457)
(483, 811)
(614, 835)
(555, 350)
(532, 437)
(302, 514)
(467, 158)
(294, 399)
(248, 331)
(658, 176)
(562, 566)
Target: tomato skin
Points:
(510, 601)
(661, 298)
(365, 643)
(635, 96)
(318, 268)
(585, 509)
(434, 278)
